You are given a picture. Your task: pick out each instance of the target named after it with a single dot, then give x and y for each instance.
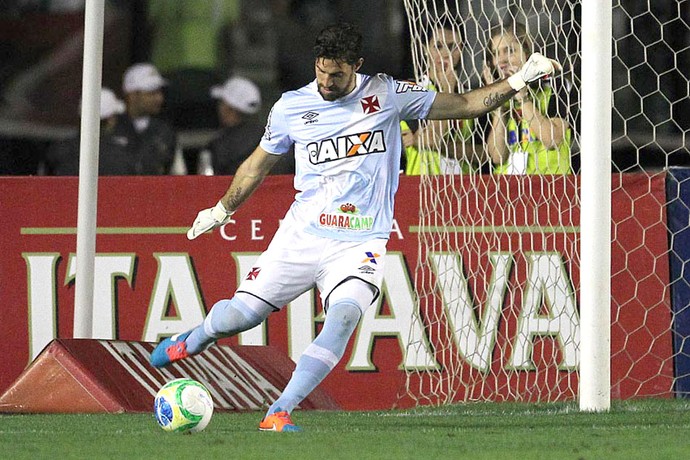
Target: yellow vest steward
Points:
(428, 161)
(521, 140)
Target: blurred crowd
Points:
(187, 85)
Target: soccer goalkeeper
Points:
(345, 129)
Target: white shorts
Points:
(296, 262)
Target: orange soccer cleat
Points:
(278, 421)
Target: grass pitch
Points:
(650, 429)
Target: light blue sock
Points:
(226, 318)
(321, 355)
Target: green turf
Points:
(650, 430)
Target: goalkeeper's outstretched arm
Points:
(247, 178)
(475, 103)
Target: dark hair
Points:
(340, 42)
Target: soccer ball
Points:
(183, 405)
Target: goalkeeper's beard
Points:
(333, 92)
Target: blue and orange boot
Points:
(172, 349)
(278, 421)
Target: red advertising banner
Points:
(150, 281)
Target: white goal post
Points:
(595, 222)
(88, 167)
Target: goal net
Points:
(498, 269)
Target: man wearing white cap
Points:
(238, 100)
(62, 159)
(151, 141)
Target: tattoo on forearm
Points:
(236, 198)
(493, 99)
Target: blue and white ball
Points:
(183, 405)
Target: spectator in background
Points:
(530, 133)
(192, 43)
(193, 34)
(62, 159)
(152, 142)
(441, 146)
(239, 99)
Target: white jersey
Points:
(347, 153)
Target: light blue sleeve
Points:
(413, 101)
(276, 138)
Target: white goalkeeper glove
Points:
(536, 67)
(209, 219)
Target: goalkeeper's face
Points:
(335, 79)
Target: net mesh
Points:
(497, 274)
